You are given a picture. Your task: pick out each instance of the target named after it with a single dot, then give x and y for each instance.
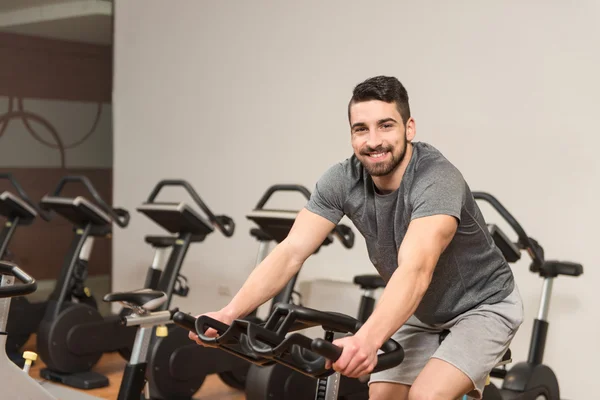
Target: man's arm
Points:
(424, 242)
(274, 272)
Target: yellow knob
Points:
(162, 331)
(30, 356)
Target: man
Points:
(426, 237)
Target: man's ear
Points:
(411, 129)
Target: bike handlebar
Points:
(119, 215)
(29, 285)
(223, 222)
(46, 216)
(281, 188)
(263, 344)
(525, 241)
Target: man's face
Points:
(378, 136)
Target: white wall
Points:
(237, 96)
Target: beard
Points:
(384, 167)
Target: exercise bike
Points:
(15, 382)
(25, 317)
(170, 356)
(269, 343)
(19, 210)
(278, 382)
(531, 379)
(73, 337)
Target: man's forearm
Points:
(398, 302)
(265, 281)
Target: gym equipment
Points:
(25, 317)
(141, 303)
(169, 374)
(529, 380)
(71, 302)
(279, 382)
(19, 210)
(74, 338)
(270, 343)
(16, 383)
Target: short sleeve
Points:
(438, 188)
(328, 197)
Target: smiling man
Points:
(425, 236)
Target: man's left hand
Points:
(359, 356)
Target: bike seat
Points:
(161, 241)
(369, 281)
(555, 268)
(145, 298)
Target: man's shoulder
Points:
(430, 160)
(349, 170)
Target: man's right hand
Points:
(221, 316)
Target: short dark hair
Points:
(382, 88)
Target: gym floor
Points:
(112, 366)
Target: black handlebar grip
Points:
(389, 359)
(326, 349)
(226, 225)
(185, 321)
(203, 323)
(346, 235)
(524, 239)
(393, 356)
(29, 285)
(123, 216)
(281, 188)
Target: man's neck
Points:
(391, 182)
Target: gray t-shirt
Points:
(471, 271)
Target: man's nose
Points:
(374, 140)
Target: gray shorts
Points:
(476, 343)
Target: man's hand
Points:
(359, 356)
(221, 316)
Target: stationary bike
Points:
(531, 379)
(16, 383)
(269, 343)
(89, 221)
(73, 338)
(19, 210)
(169, 359)
(277, 381)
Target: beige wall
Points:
(237, 96)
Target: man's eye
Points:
(387, 126)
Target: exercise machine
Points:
(15, 382)
(71, 302)
(25, 317)
(280, 382)
(277, 381)
(73, 339)
(142, 304)
(269, 343)
(531, 379)
(169, 374)
(19, 210)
